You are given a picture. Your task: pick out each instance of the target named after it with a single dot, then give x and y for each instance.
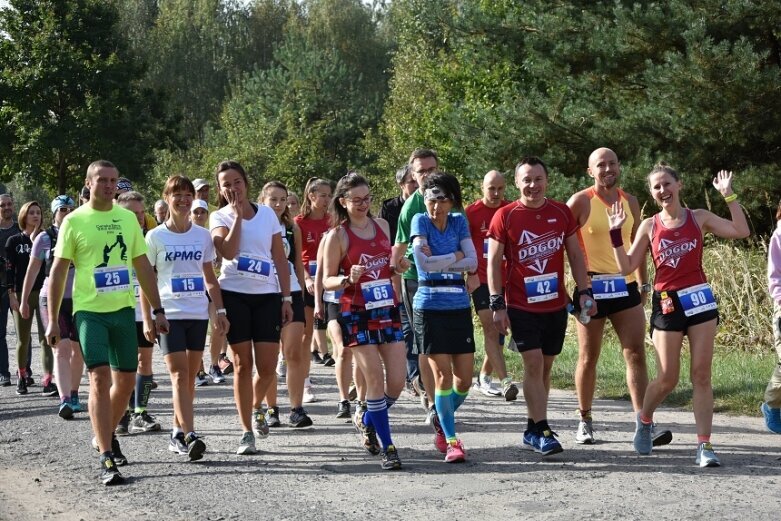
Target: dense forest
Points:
(294, 89)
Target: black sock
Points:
(542, 426)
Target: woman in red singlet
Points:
(370, 320)
(683, 302)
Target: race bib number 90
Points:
(112, 278)
(608, 286)
(542, 288)
(254, 267)
(697, 299)
(377, 293)
(187, 285)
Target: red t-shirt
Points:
(374, 289)
(677, 254)
(312, 231)
(533, 241)
(479, 216)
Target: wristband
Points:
(289, 298)
(158, 311)
(616, 239)
(221, 311)
(587, 291)
(497, 303)
(730, 198)
(645, 288)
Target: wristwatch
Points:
(158, 311)
(289, 298)
(645, 288)
(221, 311)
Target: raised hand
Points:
(616, 215)
(723, 183)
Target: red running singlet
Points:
(312, 231)
(375, 284)
(677, 254)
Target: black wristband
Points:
(158, 311)
(587, 291)
(497, 303)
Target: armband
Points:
(497, 303)
(616, 239)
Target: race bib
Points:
(312, 268)
(332, 296)
(187, 285)
(112, 278)
(253, 267)
(485, 248)
(542, 288)
(607, 286)
(697, 299)
(446, 275)
(377, 293)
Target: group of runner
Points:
(393, 294)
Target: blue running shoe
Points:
(772, 417)
(643, 440)
(547, 444)
(65, 412)
(529, 440)
(75, 403)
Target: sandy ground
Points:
(49, 472)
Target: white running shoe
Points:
(486, 386)
(281, 367)
(585, 434)
(309, 396)
(706, 456)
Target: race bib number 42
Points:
(697, 299)
(542, 288)
(112, 278)
(254, 267)
(377, 293)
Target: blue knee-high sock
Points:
(458, 398)
(378, 416)
(444, 403)
(389, 401)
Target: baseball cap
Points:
(124, 184)
(199, 203)
(200, 183)
(61, 200)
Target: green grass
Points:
(739, 378)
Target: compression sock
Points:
(143, 389)
(389, 401)
(378, 416)
(444, 403)
(458, 398)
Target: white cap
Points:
(199, 203)
(200, 183)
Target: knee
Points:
(667, 382)
(635, 356)
(701, 377)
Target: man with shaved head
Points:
(620, 298)
(479, 215)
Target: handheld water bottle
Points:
(584, 317)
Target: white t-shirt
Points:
(179, 259)
(252, 269)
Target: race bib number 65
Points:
(377, 293)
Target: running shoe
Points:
(216, 375)
(116, 451)
(440, 442)
(195, 447)
(65, 412)
(643, 440)
(176, 444)
(547, 444)
(509, 390)
(21, 385)
(410, 389)
(109, 473)
(76, 404)
(344, 409)
(772, 417)
(431, 413)
(143, 422)
(5, 381)
(486, 386)
(309, 395)
(50, 389)
(660, 438)
(352, 394)
(390, 458)
(706, 457)
(226, 366)
(153, 386)
(316, 358)
(201, 379)
(247, 444)
(29, 380)
(281, 367)
(122, 426)
(259, 425)
(299, 418)
(529, 440)
(455, 453)
(328, 360)
(360, 408)
(367, 433)
(272, 417)
(585, 434)
(417, 385)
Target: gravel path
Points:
(48, 471)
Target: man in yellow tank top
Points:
(621, 299)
